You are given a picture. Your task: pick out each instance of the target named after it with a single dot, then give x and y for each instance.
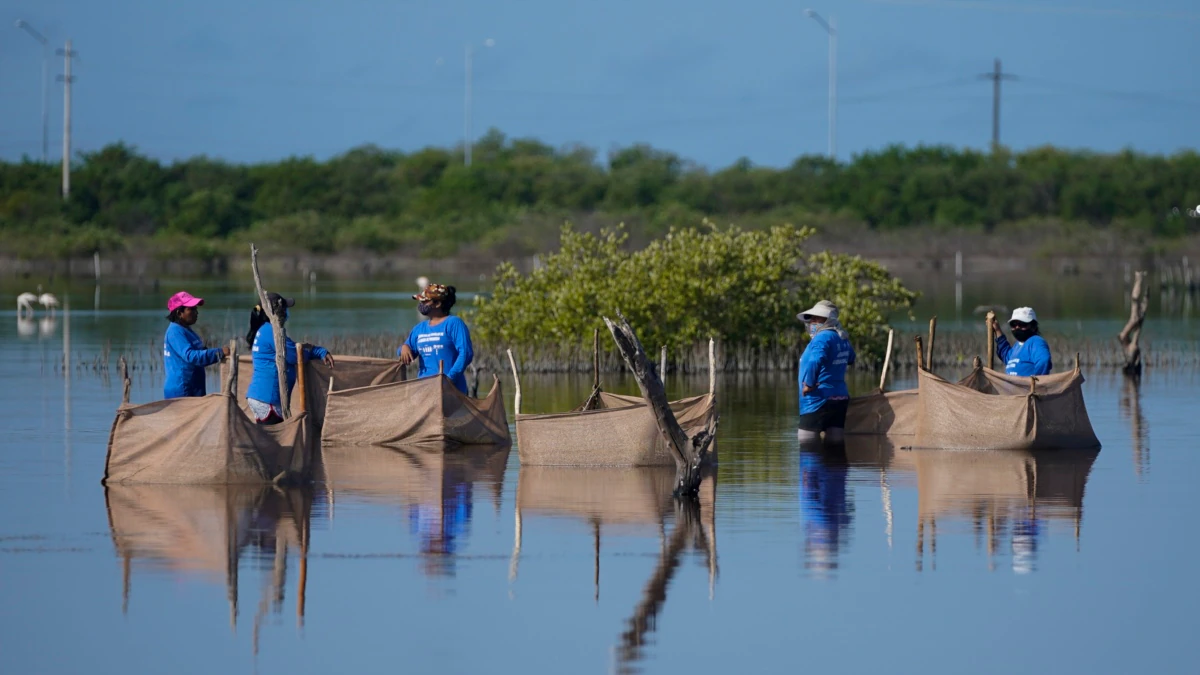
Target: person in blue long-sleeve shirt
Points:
(441, 339)
(184, 354)
(263, 394)
(1030, 356)
(824, 396)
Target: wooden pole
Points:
(1132, 332)
(712, 366)
(125, 382)
(516, 385)
(231, 382)
(689, 453)
(991, 341)
(441, 367)
(662, 368)
(301, 395)
(932, 335)
(920, 354)
(279, 333)
(887, 359)
(596, 358)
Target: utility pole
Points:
(467, 110)
(995, 76)
(830, 28)
(66, 79)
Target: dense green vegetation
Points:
(517, 193)
(742, 287)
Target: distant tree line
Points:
(519, 191)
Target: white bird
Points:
(48, 301)
(25, 304)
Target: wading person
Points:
(184, 354)
(263, 394)
(1031, 355)
(824, 397)
(440, 339)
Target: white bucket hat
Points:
(824, 309)
(1024, 315)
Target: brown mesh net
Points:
(621, 432)
(206, 439)
(426, 411)
(993, 411)
(986, 410)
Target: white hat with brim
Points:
(1023, 315)
(823, 309)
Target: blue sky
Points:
(712, 81)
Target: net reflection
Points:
(1008, 497)
(204, 531)
(826, 507)
(631, 501)
(435, 486)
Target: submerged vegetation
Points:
(516, 193)
(742, 287)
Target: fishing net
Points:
(621, 431)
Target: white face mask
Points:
(814, 327)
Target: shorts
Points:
(832, 415)
(264, 413)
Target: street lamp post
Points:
(830, 28)
(23, 25)
(469, 51)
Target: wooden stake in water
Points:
(596, 358)
(920, 354)
(277, 331)
(887, 359)
(516, 384)
(301, 396)
(991, 340)
(712, 366)
(662, 367)
(932, 334)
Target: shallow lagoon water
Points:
(794, 558)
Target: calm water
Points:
(873, 559)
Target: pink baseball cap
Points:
(183, 299)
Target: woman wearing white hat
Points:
(824, 396)
(1031, 355)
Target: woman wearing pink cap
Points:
(184, 355)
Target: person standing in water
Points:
(184, 354)
(440, 339)
(824, 397)
(263, 394)
(1031, 355)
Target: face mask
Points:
(1022, 334)
(813, 328)
(424, 308)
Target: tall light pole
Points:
(469, 51)
(67, 53)
(831, 28)
(24, 25)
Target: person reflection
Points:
(440, 525)
(824, 505)
(1026, 531)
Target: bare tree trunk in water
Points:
(689, 453)
(285, 408)
(1133, 329)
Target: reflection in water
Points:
(825, 509)
(203, 531)
(1131, 409)
(26, 327)
(1012, 494)
(434, 485)
(632, 501)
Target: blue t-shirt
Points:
(448, 343)
(823, 367)
(264, 383)
(184, 360)
(1026, 359)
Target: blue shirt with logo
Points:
(448, 343)
(823, 368)
(264, 383)
(184, 360)
(1025, 359)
